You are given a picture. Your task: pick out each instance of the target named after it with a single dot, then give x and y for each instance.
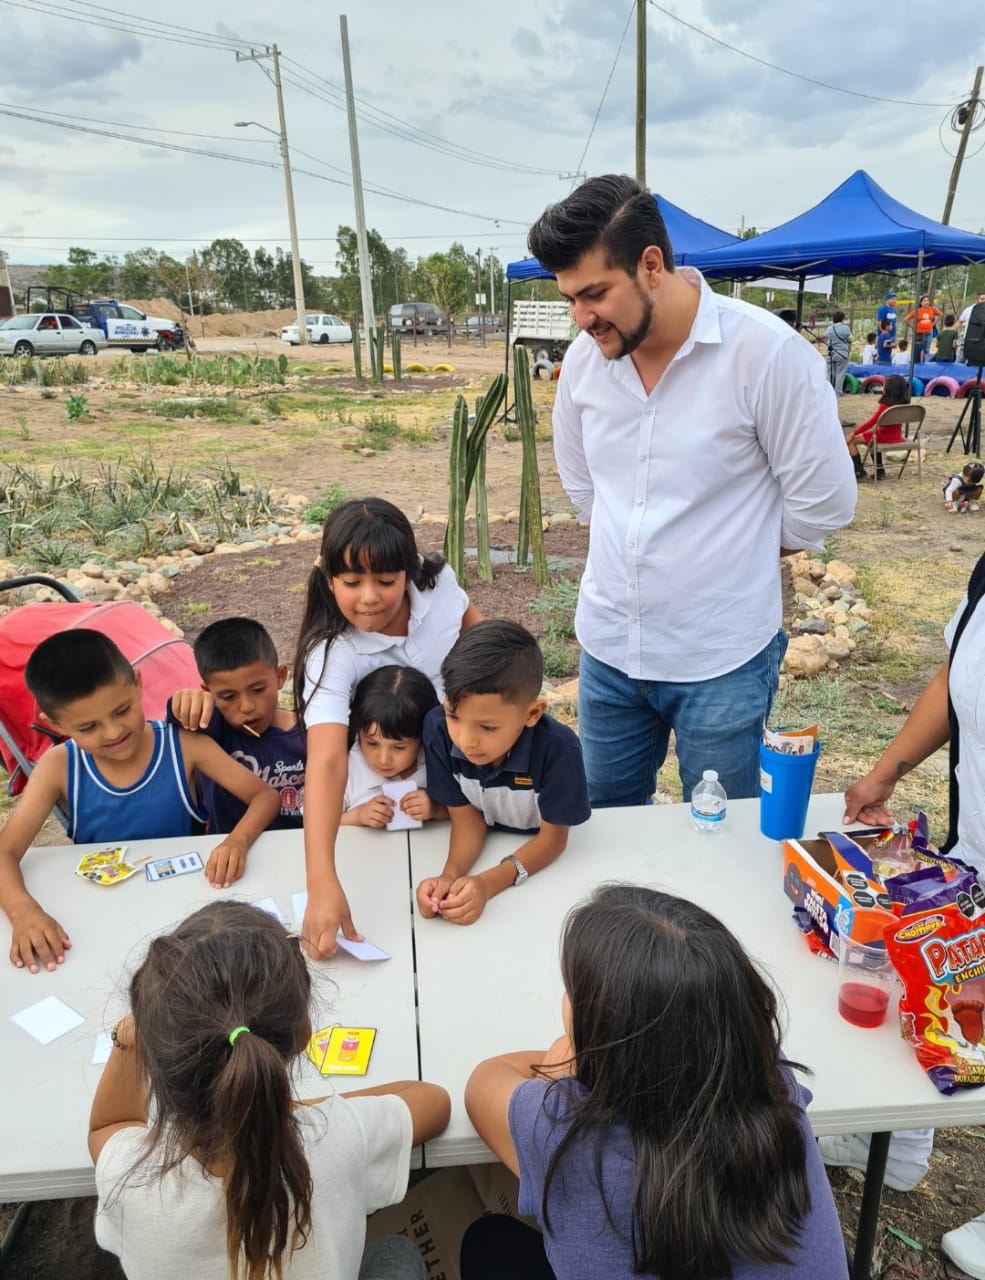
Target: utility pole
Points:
(362, 244)
(271, 51)
(641, 91)
(478, 297)
(971, 109)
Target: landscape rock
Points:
(841, 571)
(806, 656)
(812, 626)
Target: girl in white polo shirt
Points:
(372, 601)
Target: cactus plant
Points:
(467, 467)
(457, 492)
(357, 354)
(395, 354)
(530, 530)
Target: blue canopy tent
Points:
(688, 236)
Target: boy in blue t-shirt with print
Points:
(237, 707)
(118, 776)
(885, 343)
(496, 760)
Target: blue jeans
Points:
(624, 726)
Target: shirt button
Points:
(642, 457)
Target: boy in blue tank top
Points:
(118, 776)
(237, 707)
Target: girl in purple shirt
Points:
(663, 1134)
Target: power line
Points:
(148, 128)
(56, 11)
(796, 75)
(605, 91)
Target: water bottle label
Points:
(703, 815)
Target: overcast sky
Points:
(516, 83)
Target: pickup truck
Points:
(544, 328)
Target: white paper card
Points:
(48, 1019)
(395, 791)
(360, 950)
(271, 908)
(102, 1048)
(299, 905)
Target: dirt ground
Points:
(917, 557)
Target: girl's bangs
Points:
(376, 549)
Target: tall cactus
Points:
(467, 467)
(357, 353)
(381, 347)
(375, 355)
(530, 530)
(483, 559)
(457, 492)
(395, 353)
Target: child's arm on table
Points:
(466, 899)
(121, 1095)
(326, 773)
(228, 860)
(468, 835)
(493, 1082)
(429, 1105)
(35, 935)
(191, 709)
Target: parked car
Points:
(417, 317)
(472, 326)
(321, 329)
(49, 334)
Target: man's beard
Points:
(630, 341)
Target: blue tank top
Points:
(157, 805)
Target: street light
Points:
(281, 136)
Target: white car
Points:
(49, 334)
(322, 329)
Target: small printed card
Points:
(181, 865)
(364, 950)
(48, 1019)
(395, 791)
(342, 1051)
(108, 866)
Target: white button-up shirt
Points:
(692, 489)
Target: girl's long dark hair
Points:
(368, 535)
(395, 699)
(676, 1037)
(230, 1105)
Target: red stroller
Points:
(165, 663)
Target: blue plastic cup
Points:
(785, 783)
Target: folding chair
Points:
(874, 448)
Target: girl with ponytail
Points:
(206, 1163)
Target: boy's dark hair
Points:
(71, 665)
(903, 344)
(896, 390)
(719, 1147)
(838, 317)
(973, 472)
(871, 337)
(230, 1103)
(367, 535)
(231, 643)
(948, 320)
(614, 213)
(395, 699)
(885, 324)
(495, 656)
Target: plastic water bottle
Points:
(708, 802)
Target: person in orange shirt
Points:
(927, 316)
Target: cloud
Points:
(72, 57)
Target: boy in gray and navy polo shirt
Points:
(496, 760)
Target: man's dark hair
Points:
(71, 665)
(495, 656)
(231, 643)
(838, 317)
(614, 213)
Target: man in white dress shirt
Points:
(701, 439)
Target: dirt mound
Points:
(226, 324)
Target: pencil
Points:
(251, 731)
(136, 862)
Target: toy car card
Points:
(180, 865)
(108, 866)
(342, 1051)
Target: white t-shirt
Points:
(901, 357)
(693, 488)
(868, 354)
(435, 624)
(364, 783)
(967, 688)
(359, 1153)
(964, 317)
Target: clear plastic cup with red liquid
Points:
(866, 978)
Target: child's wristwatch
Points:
(521, 871)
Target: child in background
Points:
(902, 356)
(118, 776)
(961, 493)
(237, 707)
(947, 342)
(884, 344)
(869, 350)
(206, 1165)
(895, 391)
(496, 760)
(372, 601)
(664, 1132)
(386, 723)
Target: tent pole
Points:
(802, 281)
(916, 304)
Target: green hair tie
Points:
(237, 1031)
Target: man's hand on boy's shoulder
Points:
(37, 939)
(227, 863)
(192, 708)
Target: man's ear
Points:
(281, 677)
(535, 711)
(652, 263)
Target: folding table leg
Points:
(868, 1218)
(12, 1232)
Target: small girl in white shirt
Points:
(386, 722)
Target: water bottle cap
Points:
(710, 775)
